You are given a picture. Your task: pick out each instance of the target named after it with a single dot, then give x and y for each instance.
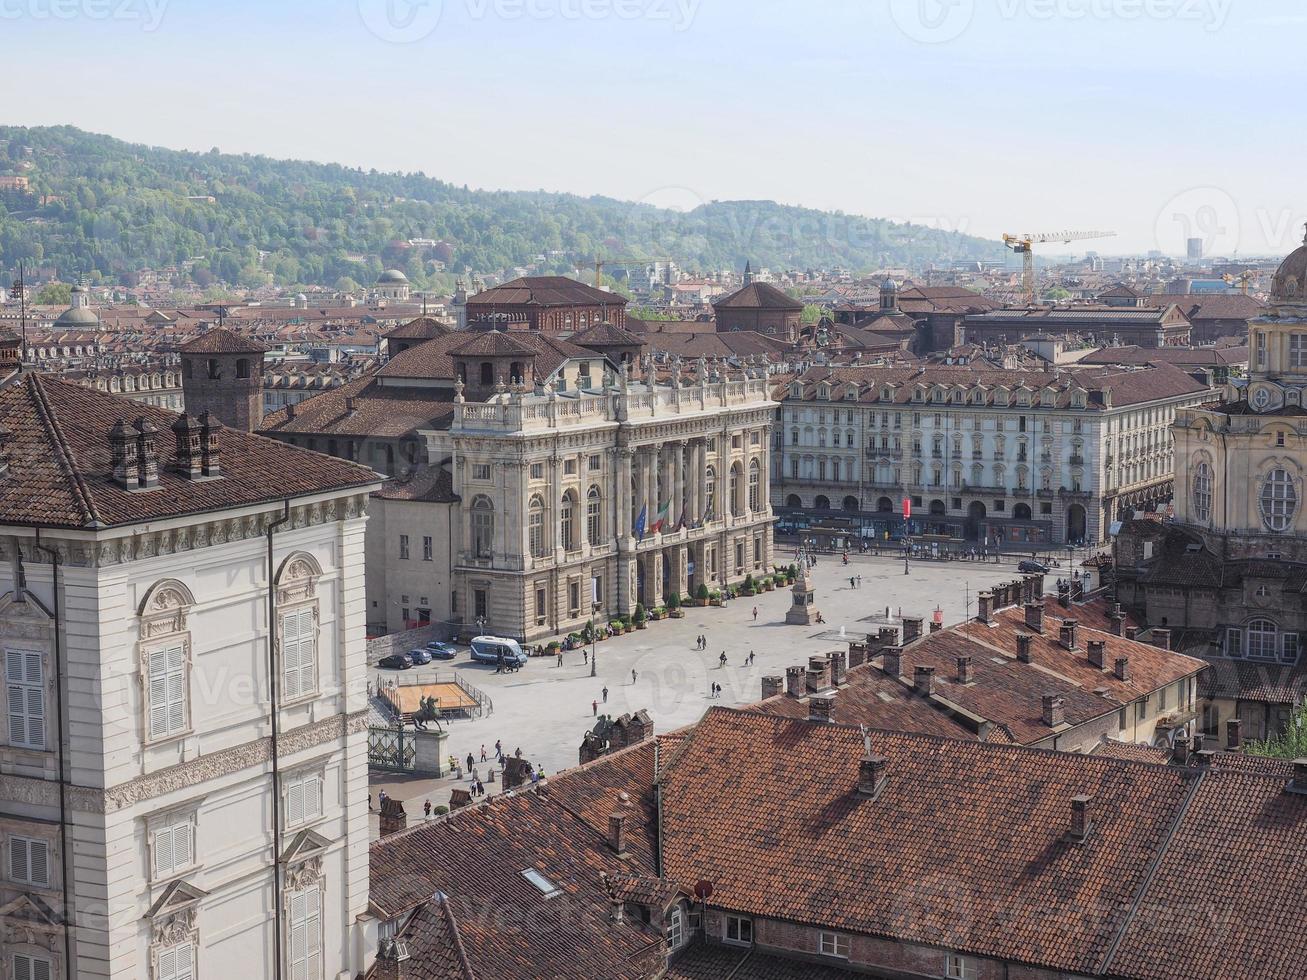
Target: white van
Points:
(487, 650)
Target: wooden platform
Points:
(449, 697)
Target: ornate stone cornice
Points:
(215, 765)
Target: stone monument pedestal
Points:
(803, 610)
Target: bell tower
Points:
(222, 374)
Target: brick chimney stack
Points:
(5, 435)
(1081, 818)
(838, 672)
(1023, 647)
(1067, 634)
(1098, 653)
(393, 817)
(187, 432)
(1117, 627)
(1180, 752)
(126, 462)
(1161, 638)
(818, 674)
(892, 661)
(617, 832)
(392, 961)
(794, 681)
(911, 628)
(1035, 617)
(985, 608)
(923, 680)
(1233, 730)
(936, 626)
(147, 452)
(1053, 711)
(871, 774)
(1132, 632)
(210, 445)
(772, 685)
(964, 670)
(820, 709)
(1121, 669)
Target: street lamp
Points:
(594, 646)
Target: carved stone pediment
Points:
(164, 608)
(173, 914)
(297, 579)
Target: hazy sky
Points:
(1153, 118)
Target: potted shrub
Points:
(715, 597)
(769, 583)
(552, 646)
(701, 596)
(674, 609)
(749, 587)
(641, 618)
(791, 574)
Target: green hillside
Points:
(99, 207)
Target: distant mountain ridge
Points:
(101, 207)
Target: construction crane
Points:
(1243, 279)
(1023, 245)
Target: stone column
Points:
(681, 501)
(624, 458)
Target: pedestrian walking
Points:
(605, 694)
(483, 753)
(859, 581)
(722, 658)
(560, 658)
(499, 750)
(634, 676)
(594, 706)
(755, 614)
(585, 656)
(470, 762)
(481, 788)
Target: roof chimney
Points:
(892, 661)
(1299, 783)
(147, 453)
(392, 961)
(911, 628)
(1053, 711)
(838, 671)
(1122, 668)
(1067, 634)
(819, 709)
(794, 683)
(187, 432)
(1097, 653)
(1233, 727)
(1023, 647)
(1180, 752)
(1161, 638)
(1117, 626)
(964, 670)
(985, 608)
(1081, 818)
(871, 770)
(772, 685)
(1035, 616)
(617, 827)
(4, 455)
(393, 817)
(290, 410)
(122, 448)
(210, 447)
(923, 680)
(936, 626)
(1131, 632)
(818, 673)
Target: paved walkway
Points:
(545, 710)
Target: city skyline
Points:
(1003, 105)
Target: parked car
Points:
(396, 661)
(441, 650)
(1032, 567)
(419, 656)
(487, 650)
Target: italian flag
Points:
(661, 519)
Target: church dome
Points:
(391, 276)
(77, 316)
(1290, 283)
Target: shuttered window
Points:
(167, 689)
(25, 698)
(306, 935)
(177, 962)
(303, 799)
(298, 654)
(28, 967)
(29, 861)
(174, 847)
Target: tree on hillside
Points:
(54, 294)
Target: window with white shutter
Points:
(305, 928)
(29, 861)
(166, 686)
(174, 847)
(29, 967)
(177, 962)
(25, 698)
(303, 798)
(298, 653)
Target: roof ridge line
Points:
(1151, 873)
(62, 452)
(459, 950)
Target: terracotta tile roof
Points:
(220, 340)
(435, 946)
(492, 343)
(428, 484)
(1249, 680)
(1110, 748)
(545, 291)
(1216, 306)
(716, 961)
(710, 343)
(757, 296)
(380, 411)
(434, 359)
(1226, 898)
(966, 846)
(423, 328)
(60, 471)
(605, 335)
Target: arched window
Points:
(487, 373)
(536, 527)
(567, 521)
(1202, 492)
(736, 502)
(710, 492)
(1263, 637)
(483, 527)
(1279, 500)
(755, 487)
(793, 501)
(822, 502)
(594, 517)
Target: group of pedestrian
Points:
(855, 581)
(715, 691)
(701, 642)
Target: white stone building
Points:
(196, 831)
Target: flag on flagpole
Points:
(662, 517)
(639, 522)
(684, 516)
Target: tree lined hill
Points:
(103, 208)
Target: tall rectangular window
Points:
(177, 962)
(298, 656)
(403, 547)
(303, 798)
(25, 696)
(305, 927)
(29, 967)
(29, 861)
(174, 846)
(1298, 350)
(167, 686)
(428, 548)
